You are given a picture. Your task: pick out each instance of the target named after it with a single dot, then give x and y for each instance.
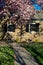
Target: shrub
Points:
(17, 39)
(36, 40)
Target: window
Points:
(32, 27)
(27, 28)
(11, 27)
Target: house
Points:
(33, 29)
(36, 23)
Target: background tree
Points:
(3, 23)
(39, 1)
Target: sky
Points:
(37, 7)
(33, 1)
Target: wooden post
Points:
(29, 27)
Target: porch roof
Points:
(38, 16)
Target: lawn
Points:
(6, 55)
(36, 50)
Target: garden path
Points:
(22, 56)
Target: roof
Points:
(38, 16)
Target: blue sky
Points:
(33, 1)
(1, 5)
(37, 7)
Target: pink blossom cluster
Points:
(23, 8)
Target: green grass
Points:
(6, 56)
(36, 50)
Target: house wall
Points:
(36, 37)
(41, 24)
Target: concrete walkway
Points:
(22, 56)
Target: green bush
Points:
(6, 56)
(17, 39)
(36, 50)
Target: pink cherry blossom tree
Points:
(23, 10)
(39, 1)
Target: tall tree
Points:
(39, 1)
(22, 9)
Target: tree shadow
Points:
(19, 58)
